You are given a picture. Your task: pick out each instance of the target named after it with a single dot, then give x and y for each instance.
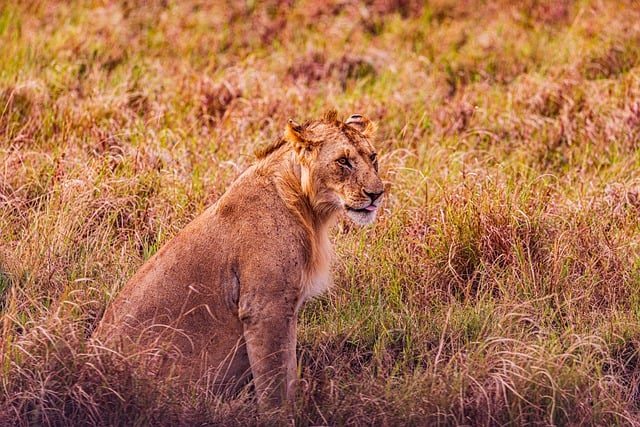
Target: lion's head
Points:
(339, 166)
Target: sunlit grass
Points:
(500, 284)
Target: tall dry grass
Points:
(500, 284)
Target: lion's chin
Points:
(362, 217)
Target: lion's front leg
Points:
(270, 335)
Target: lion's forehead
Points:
(356, 146)
(343, 137)
(361, 148)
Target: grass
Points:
(500, 285)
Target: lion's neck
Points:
(293, 183)
(297, 189)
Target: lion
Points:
(222, 297)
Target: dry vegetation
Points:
(501, 284)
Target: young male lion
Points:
(222, 297)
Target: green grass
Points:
(500, 285)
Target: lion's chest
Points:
(317, 277)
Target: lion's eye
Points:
(374, 161)
(343, 161)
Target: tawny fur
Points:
(221, 298)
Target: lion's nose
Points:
(373, 196)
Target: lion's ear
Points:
(364, 125)
(293, 133)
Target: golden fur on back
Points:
(222, 297)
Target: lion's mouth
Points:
(366, 209)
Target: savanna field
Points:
(500, 284)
